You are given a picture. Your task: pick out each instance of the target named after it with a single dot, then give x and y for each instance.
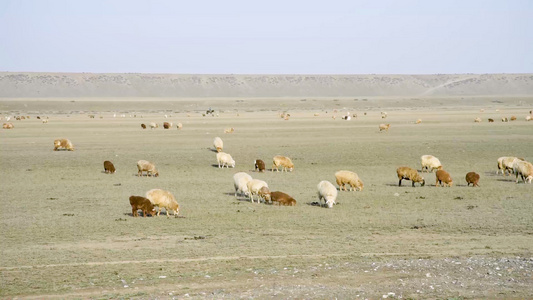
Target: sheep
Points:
(287, 116)
(418, 121)
(444, 178)
(163, 199)
(328, 192)
(179, 126)
(254, 186)
(282, 199)
(409, 174)
(430, 163)
(264, 193)
(513, 118)
(384, 127)
(260, 165)
(139, 202)
(225, 159)
(45, 121)
(506, 163)
(383, 115)
(477, 120)
(229, 130)
(8, 126)
(153, 125)
(63, 144)
(282, 161)
(316, 114)
(524, 169)
(504, 119)
(143, 126)
(218, 144)
(347, 118)
(167, 125)
(491, 120)
(347, 177)
(144, 165)
(240, 182)
(109, 167)
(472, 178)
(528, 118)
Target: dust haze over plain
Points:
(275, 37)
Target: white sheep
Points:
(254, 186)
(328, 192)
(163, 199)
(506, 164)
(225, 159)
(347, 177)
(218, 144)
(430, 163)
(524, 169)
(240, 181)
(144, 165)
(153, 125)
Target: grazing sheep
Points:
(218, 144)
(167, 125)
(418, 121)
(430, 163)
(143, 126)
(254, 186)
(229, 130)
(347, 177)
(225, 159)
(506, 163)
(264, 193)
(8, 126)
(153, 125)
(282, 161)
(524, 169)
(179, 126)
(347, 118)
(409, 174)
(282, 199)
(316, 114)
(144, 165)
(163, 199)
(491, 120)
(384, 127)
(383, 115)
(328, 192)
(504, 119)
(477, 120)
(139, 202)
(109, 167)
(472, 178)
(63, 144)
(513, 118)
(260, 165)
(240, 182)
(45, 121)
(444, 178)
(287, 117)
(528, 118)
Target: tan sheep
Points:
(525, 170)
(229, 130)
(148, 167)
(409, 174)
(282, 161)
(63, 144)
(528, 118)
(344, 178)
(444, 178)
(163, 199)
(418, 121)
(477, 120)
(8, 126)
(513, 118)
(218, 144)
(384, 127)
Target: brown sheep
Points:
(282, 199)
(444, 178)
(491, 120)
(63, 144)
(143, 126)
(8, 126)
(167, 125)
(109, 167)
(513, 118)
(409, 174)
(138, 202)
(260, 165)
(472, 178)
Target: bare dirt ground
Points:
(67, 229)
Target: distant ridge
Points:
(44, 85)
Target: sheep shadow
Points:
(506, 180)
(140, 214)
(489, 173)
(212, 150)
(315, 203)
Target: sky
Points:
(267, 37)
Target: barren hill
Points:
(37, 85)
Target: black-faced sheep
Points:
(443, 177)
(472, 178)
(409, 174)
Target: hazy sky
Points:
(246, 36)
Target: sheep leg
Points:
(133, 211)
(400, 182)
(413, 182)
(167, 213)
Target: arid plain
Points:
(67, 229)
